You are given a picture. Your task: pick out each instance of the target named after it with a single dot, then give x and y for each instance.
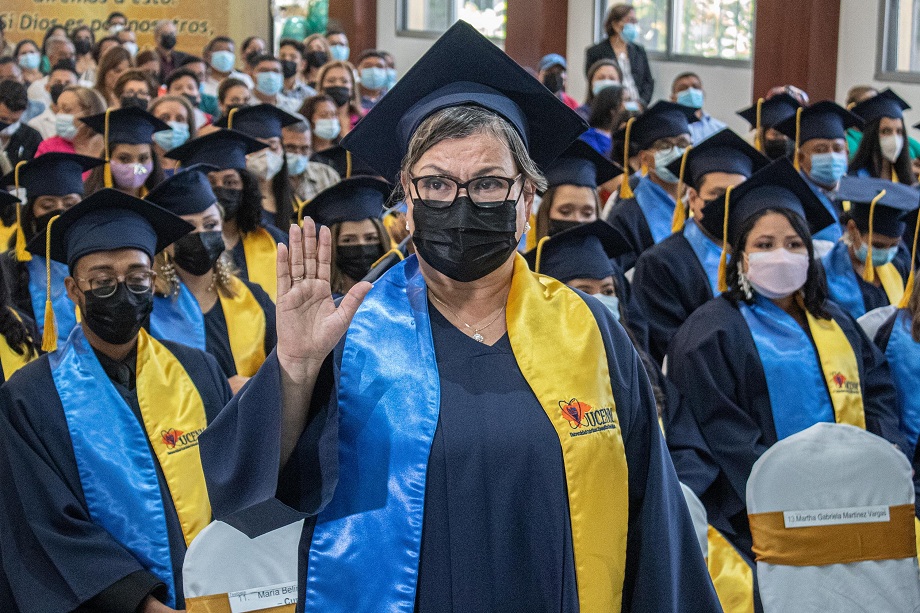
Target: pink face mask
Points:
(130, 176)
(778, 273)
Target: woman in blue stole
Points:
(428, 445)
(771, 356)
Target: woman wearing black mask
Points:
(54, 184)
(763, 115)
(317, 55)
(352, 209)
(251, 243)
(83, 41)
(200, 301)
(491, 428)
(337, 80)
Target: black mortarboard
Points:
(885, 104)
(890, 209)
(260, 121)
(52, 174)
(128, 126)
(724, 151)
(223, 149)
(581, 165)
(825, 119)
(772, 111)
(662, 120)
(351, 199)
(582, 252)
(188, 192)
(7, 199)
(344, 163)
(110, 220)
(463, 68)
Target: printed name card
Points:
(260, 598)
(835, 517)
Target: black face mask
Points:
(288, 68)
(82, 46)
(56, 90)
(198, 252)
(128, 102)
(463, 241)
(251, 57)
(775, 148)
(561, 225)
(316, 59)
(118, 318)
(192, 100)
(553, 82)
(340, 95)
(356, 260)
(229, 200)
(39, 224)
(168, 41)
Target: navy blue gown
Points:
(239, 254)
(217, 338)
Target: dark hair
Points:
(290, 42)
(815, 289)
(134, 75)
(372, 53)
(80, 28)
(546, 204)
(597, 66)
(217, 39)
(249, 40)
(685, 75)
(605, 109)
(249, 215)
(97, 48)
(115, 14)
(145, 56)
(262, 57)
(334, 31)
(336, 275)
(17, 334)
(50, 32)
(13, 95)
(192, 59)
(615, 15)
(869, 154)
(23, 43)
(96, 179)
(309, 106)
(178, 74)
(226, 85)
(8, 59)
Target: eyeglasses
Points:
(439, 191)
(137, 282)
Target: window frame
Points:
(669, 55)
(885, 47)
(404, 32)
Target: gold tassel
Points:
(894, 175)
(230, 118)
(909, 288)
(798, 135)
(107, 169)
(723, 259)
(625, 190)
(540, 244)
(22, 254)
(758, 136)
(347, 164)
(680, 213)
(869, 270)
(49, 335)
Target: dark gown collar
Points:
(121, 372)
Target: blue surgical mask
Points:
(65, 127)
(691, 97)
(630, 32)
(339, 53)
(269, 83)
(223, 61)
(391, 78)
(30, 60)
(631, 106)
(327, 129)
(662, 159)
(374, 78)
(880, 257)
(611, 302)
(176, 136)
(600, 84)
(827, 168)
(297, 163)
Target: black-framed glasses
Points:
(137, 282)
(439, 191)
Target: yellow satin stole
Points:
(841, 370)
(261, 260)
(245, 328)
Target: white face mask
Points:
(778, 273)
(891, 146)
(265, 164)
(65, 127)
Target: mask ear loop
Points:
(869, 270)
(723, 259)
(680, 212)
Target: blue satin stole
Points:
(657, 206)
(798, 394)
(117, 469)
(842, 282)
(903, 353)
(178, 319)
(707, 252)
(834, 231)
(65, 312)
(365, 550)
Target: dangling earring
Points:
(169, 276)
(744, 283)
(223, 272)
(407, 226)
(526, 226)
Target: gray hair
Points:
(463, 121)
(58, 41)
(300, 127)
(162, 23)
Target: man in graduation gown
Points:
(643, 217)
(763, 115)
(103, 486)
(679, 274)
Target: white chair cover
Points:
(834, 467)
(875, 319)
(698, 515)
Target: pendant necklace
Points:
(476, 336)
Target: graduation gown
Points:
(714, 363)
(217, 337)
(842, 280)
(895, 340)
(833, 232)
(642, 221)
(47, 531)
(669, 285)
(239, 252)
(496, 534)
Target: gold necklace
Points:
(476, 331)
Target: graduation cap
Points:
(260, 121)
(885, 104)
(913, 220)
(223, 149)
(128, 126)
(823, 119)
(724, 151)
(105, 221)
(351, 199)
(768, 113)
(582, 252)
(188, 192)
(581, 165)
(662, 120)
(776, 186)
(341, 158)
(463, 68)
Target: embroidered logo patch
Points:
(585, 418)
(177, 440)
(844, 385)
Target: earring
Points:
(744, 283)
(223, 272)
(526, 226)
(407, 226)
(169, 276)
